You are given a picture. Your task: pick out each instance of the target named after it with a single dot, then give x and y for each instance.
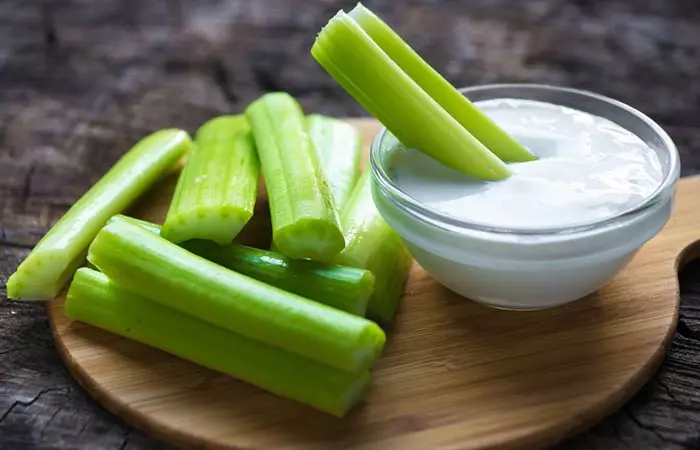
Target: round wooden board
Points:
(454, 375)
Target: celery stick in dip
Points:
(379, 84)
(457, 105)
(42, 275)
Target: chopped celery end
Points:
(342, 287)
(436, 86)
(339, 148)
(305, 223)
(360, 66)
(148, 265)
(316, 239)
(215, 195)
(95, 300)
(373, 245)
(52, 262)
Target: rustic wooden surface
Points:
(80, 81)
(534, 378)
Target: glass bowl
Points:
(520, 269)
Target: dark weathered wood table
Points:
(80, 81)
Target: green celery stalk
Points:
(215, 195)
(155, 268)
(305, 222)
(373, 245)
(339, 148)
(93, 299)
(342, 287)
(360, 66)
(456, 104)
(52, 262)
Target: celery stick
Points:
(378, 83)
(373, 245)
(339, 148)
(216, 192)
(153, 267)
(456, 104)
(93, 299)
(342, 287)
(42, 275)
(305, 223)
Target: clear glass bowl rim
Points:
(436, 218)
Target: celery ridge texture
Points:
(456, 104)
(377, 82)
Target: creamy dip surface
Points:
(589, 168)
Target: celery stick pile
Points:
(290, 320)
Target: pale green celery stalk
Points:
(358, 64)
(93, 299)
(153, 267)
(215, 195)
(373, 245)
(305, 223)
(456, 104)
(339, 148)
(52, 262)
(342, 287)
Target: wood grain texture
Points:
(81, 81)
(455, 375)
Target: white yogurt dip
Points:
(559, 227)
(589, 168)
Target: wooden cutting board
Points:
(454, 375)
